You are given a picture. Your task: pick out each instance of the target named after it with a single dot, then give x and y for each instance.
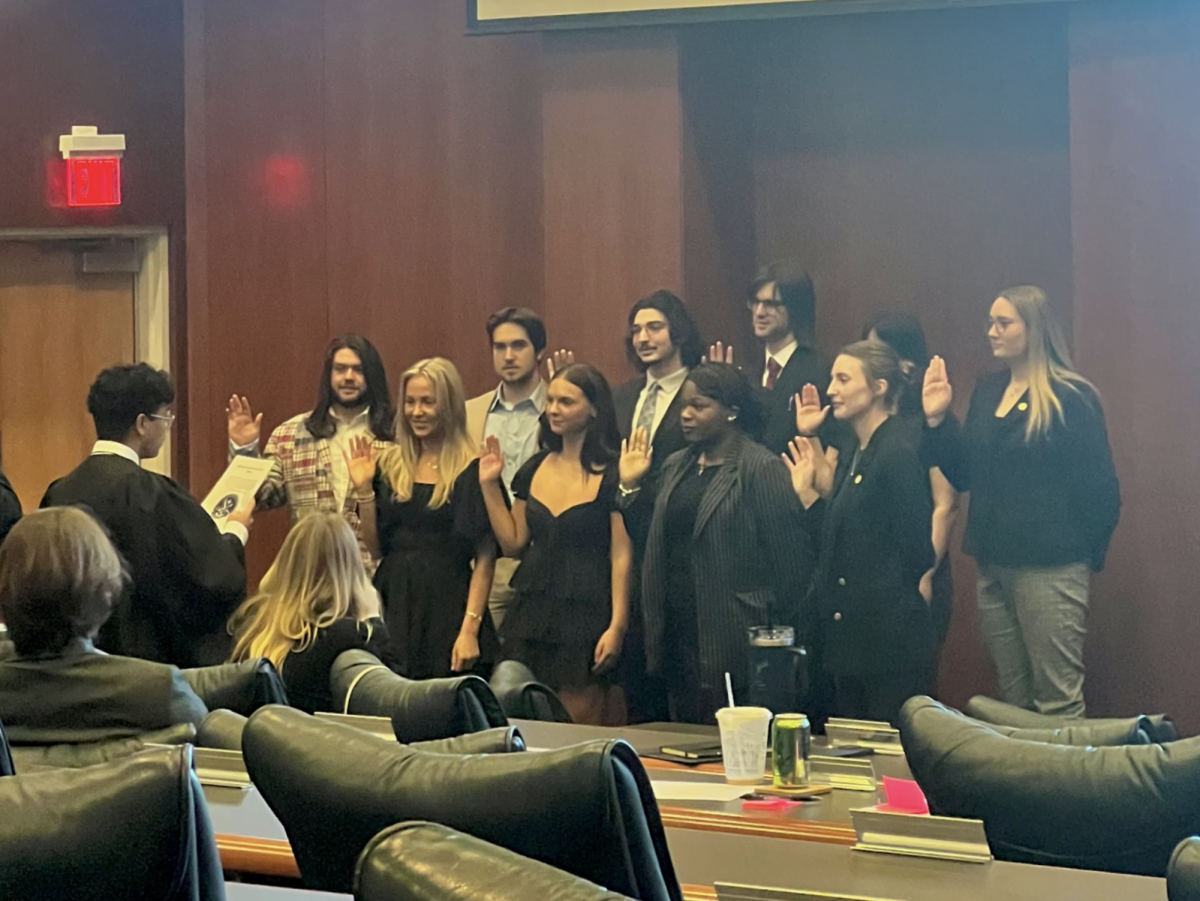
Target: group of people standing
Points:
(622, 542)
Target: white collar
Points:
(357, 419)
(538, 398)
(116, 449)
(783, 354)
(669, 384)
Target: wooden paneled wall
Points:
(361, 164)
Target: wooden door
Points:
(58, 329)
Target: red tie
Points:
(773, 370)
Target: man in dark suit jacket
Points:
(59, 577)
(783, 305)
(186, 576)
(10, 507)
(663, 344)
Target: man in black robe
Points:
(186, 577)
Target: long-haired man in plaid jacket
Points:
(311, 472)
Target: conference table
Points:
(716, 841)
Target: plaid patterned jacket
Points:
(302, 477)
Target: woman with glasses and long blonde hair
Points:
(315, 601)
(423, 514)
(1034, 454)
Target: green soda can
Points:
(791, 743)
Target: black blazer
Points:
(306, 673)
(667, 440)
(10, 507)
(84, 695)
(186, 577)
(876, 543)
(805, 367)
(749, 552)
(1049, 502)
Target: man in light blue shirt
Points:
(511, 413)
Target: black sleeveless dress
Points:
(425, 573)
(563, 585)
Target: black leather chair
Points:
(505, 740)
(240, 687)
(6, 761)
(587, 809)
(1183, 872)
(1102, 733)
(428, 862)
(1120, 809)
(523, 697)
(1158, 727)
(137, 828)
(422, 710)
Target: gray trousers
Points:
(502, 594)
(1033, 621)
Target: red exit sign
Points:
(94, 181)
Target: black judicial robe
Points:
(10, 507)
(186, 576)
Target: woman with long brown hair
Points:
(1045, 499)
(422, 512)
(571, 612)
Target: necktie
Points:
(773, 370)
(649, 405)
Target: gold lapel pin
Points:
(858, 478)
(1022, 406)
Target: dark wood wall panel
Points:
(612, 127)
(919, 162)
(719, 258)
(116, 65)
(267, 312)
(434, 180)
(1135, 142)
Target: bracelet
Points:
(366, 498)
(626, 492)
(473, 614)
(802, 435)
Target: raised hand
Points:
(801, 463)
(719, 353)
(362, 461)
(244, 427)
(810, 415)
(560, 359)
(937, 394)
(491, 460)
(636, 455)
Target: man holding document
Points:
(186, 575)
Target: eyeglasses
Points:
(169, 418)
(770, 305)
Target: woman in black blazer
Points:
(725, 546)
(873, 507)
(1045, 499)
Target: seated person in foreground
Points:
(59, 576)
(315, 602)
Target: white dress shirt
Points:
(339, 449)
(516, 426)
(668, 387)
(117, 449)
(781, 357)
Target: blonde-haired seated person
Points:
(59, 578)
(315, 602)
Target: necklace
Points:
(702, 464)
